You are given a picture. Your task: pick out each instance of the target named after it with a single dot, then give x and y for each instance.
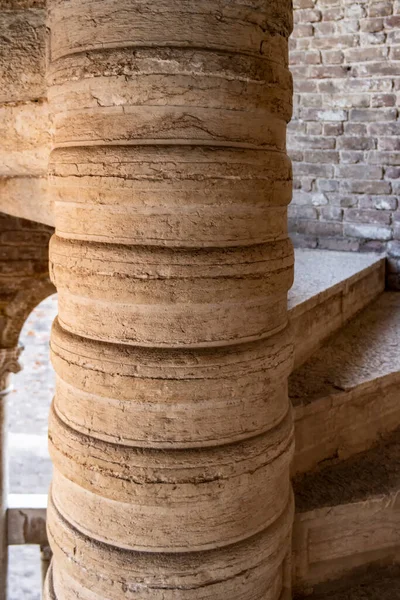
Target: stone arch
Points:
(24, 274)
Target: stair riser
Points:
(330, 542)
(339, 426)
(316, 319)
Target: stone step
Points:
(377, 583)
(348, 515)
(347, 396)
(329, 289)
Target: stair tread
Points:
(371, 583)
(318, 272)
(365, 350)
(373, 473)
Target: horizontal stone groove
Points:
(148, 261)
(163, 575)
(206, 126)
(226, 26)
(260, 450)
(142, 256)
(146, 362)
(129, 561)
(130, 63)
(114, 480)
(144, 529)
(62, 156)
(173, 45)
(25, 102)
(172, 142)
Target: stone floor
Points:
(29, 463)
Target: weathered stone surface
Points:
(171, 431)
(22, 53)
(24, 274)
(26, 198)
(366, 583)
(25, 125)
(346, 396)
(348, 515)
(329, 289)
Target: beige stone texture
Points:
(24, 274)
(348, 515)
(346, 397)
(24, 131)
(329, 289)
(370, 582)
(27, 198)
(22, 52)
(171, 431)
(25, 124)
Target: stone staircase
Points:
(379, 583)
(346, 398)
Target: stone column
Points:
(170, 432)
(8, 364)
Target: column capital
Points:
(9, 363)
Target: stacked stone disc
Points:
(171, 431)
(24, 119)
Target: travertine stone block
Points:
(25, 126)
(171, 432)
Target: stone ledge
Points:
(328, 290)
(347, 515)
(346, 396)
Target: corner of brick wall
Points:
(344, 139)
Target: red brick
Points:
(299, 4)
(302, 30)
(308, 142)
(393, 21)
(373, 115)
(359, 172)
(333, 14)
(321, 156)
(356, 143)
(367, 216)
(371, 25)
(307, 16)
(352, 157)
(332, 129)
(375, 53)
(331, 213)
(381, 9)
(390, 143)
(383, 100)
(332, 57)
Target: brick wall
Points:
(344, 139)
(24, 273)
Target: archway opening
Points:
(28, 459)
